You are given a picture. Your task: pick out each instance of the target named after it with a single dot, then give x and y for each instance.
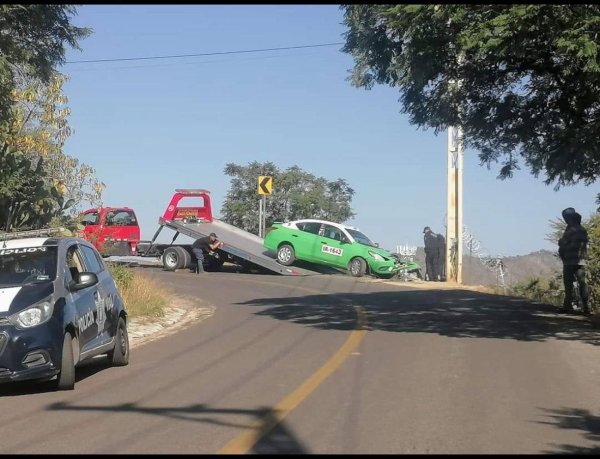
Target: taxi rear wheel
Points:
(66, 377)
(286, 255)
(119, 356)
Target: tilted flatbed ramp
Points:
(135, 261)
(239, 243)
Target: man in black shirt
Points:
(431, 254)
(202, 245)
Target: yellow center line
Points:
(250, 436)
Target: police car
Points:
(59, 306)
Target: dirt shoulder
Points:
(181, 313)
(424, 285)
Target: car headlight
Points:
(376, 256)
(33, 316)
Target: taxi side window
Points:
(75, 264)
(91, 260)
(310, 227)
(332, 232)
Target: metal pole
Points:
(459, 206)
(264, 216)
(451, 206)
(260, 218)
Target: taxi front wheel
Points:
(66, 377)
(357, 267)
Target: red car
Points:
(112, 230)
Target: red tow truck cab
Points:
(112, 230)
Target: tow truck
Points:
(239, 247)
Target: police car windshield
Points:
(27, 265)
(360, 237)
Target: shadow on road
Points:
(82, 372)
(278, 439)
(575, 419)
(454, 313)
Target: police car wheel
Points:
(358, 267)
(66, 378)
(119, 356)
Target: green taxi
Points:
(330, 244)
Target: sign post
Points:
(265, 187)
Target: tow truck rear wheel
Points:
(185, 257)
(172, 259)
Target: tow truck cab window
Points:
(120, 217)
(91, 218)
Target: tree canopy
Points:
(39, 183)
(33, 39)
(296, 194)
(523, 81)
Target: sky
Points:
(150, 127)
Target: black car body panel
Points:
(90, 314)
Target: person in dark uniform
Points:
(572, 249)
(431, 254)
(441, 258)
(202, 246)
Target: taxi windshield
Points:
(27, 265)
(360, 237)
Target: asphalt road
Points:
(329, 364)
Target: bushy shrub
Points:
(123, 276)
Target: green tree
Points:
(529, 78)
(33, 38)
(28, 199)
(40, 128)
(296, 194)
(593, 263)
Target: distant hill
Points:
(519, 268)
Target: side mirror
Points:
(376, 244)
(345, 240)
(85, 280)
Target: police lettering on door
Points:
(104, 303)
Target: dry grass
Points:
(143, 296)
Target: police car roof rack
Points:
(32, 233)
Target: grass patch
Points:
(540, 290)
(143, 297)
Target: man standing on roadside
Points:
(441, 257)
(202, 245)
(431, 254)
(572, 249)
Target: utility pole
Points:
(454, 226)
